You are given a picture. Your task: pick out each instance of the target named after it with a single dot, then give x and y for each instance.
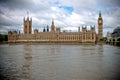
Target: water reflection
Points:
(60, 62)
(27, 63)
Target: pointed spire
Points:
(79, 29)
(19, 31)
(52, 26)
(52, 20)
(24, 19)
(47, 28)
(99, 13)
(44, 29)
(27, 14)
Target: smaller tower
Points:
(52, 26)
(58, 30)
(44, 30)
(78, 29)
(27, 25)
(84, 29)
(47, 28)
(84, 33)
(93, 28)
(35, 31)
(19, 31)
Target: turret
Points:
(52, 26)
(58, 30)
(84, 29)
(93, 28)
(27, 25)
(44, 30)
(35, 31)
(47, 28)
(78, 29)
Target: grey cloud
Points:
(1, 12)
(13, 11)
(111, 2)
(16, 4)
(6, 20)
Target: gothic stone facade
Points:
(55, 35)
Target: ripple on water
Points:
(59, 62)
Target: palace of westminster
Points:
(55, 34)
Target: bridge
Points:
(114, 41)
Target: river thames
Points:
(59, 62)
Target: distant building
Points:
(116, 32)
(109, 37)
(114, 37)
(56, 35)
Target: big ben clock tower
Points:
(100, 26)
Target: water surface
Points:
(59, 62)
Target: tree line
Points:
(3, 37)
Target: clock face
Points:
(100, 21)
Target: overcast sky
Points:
(68, 14)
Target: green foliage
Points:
(103, 39)
(3, 37)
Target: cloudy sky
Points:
(68, 14)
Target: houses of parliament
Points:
(56, 35)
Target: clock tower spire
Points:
(52, 26)
(100, 26)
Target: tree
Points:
(3, 37)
